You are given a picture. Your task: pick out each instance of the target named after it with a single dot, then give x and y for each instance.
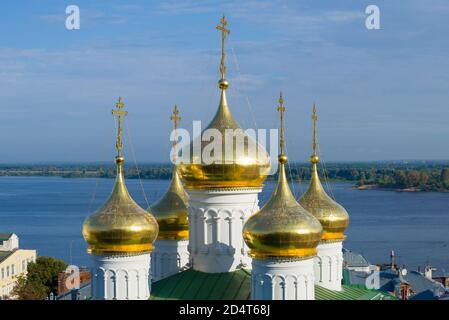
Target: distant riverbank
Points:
(378, 187)
(403, 176)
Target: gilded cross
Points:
(314, 119)
(175, 118)
(281, 110)
(224, 32)
(119, 113)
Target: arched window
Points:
(210, 227)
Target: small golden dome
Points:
(282, 228)
(120, 225)
(171, 211)
(332, 216)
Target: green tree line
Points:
(425, 176)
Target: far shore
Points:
(377, 187)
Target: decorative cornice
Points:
(221, 189)
(326, 241)
(283, 259)
(120, 255)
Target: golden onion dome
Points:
(332, 216)
(120, 226)
(171, 211)
(245, 166)
(241, 168)
(282, 228)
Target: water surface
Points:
(47, 214)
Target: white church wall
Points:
(216, 219)
(329, 265)
(121, 277)
(168, 258)
(274, 279)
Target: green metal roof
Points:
(5, 236)
(195, 285)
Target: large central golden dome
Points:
(282, 228)
(239, 167)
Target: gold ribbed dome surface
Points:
(282, 228)
(332, 216)
(120, 225)
(171, 211)
(229, 170)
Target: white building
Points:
(288, 250)
(13, 262)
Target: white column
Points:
(289, 279)
(170, 257)
(121, 277)
(225, 208)
(329, 265)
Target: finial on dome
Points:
(223, 83)
(314, 158)
(175, 118)
(281, 109)
(119, 113)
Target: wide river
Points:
(47, 214)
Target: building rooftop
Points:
(5, 254)
(5, 236)
(422, 287)
(195, 285)
(353, 259)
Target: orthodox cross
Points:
(119, 113)
(175, 118)
(314, 119)
(224, 33)
(281, 110)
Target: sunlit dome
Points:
(241, 169)
(282, 228)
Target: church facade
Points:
(209, 239)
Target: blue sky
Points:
(381, 94)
